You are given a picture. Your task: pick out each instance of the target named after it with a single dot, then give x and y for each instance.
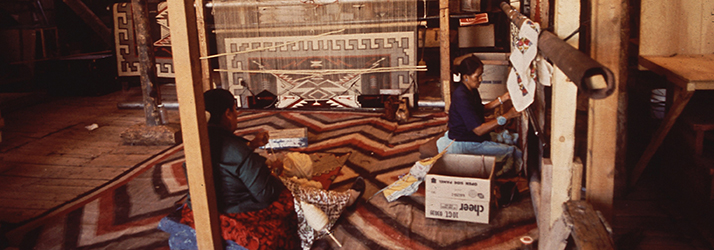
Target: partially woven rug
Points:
(126, 216)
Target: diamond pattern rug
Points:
(125, 216)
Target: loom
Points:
(316, 53)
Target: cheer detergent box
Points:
(459, 187)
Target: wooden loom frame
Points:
(193, 77)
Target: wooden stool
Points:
(699, 125)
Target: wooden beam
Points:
(564, 103)
(91, 20)
(589, 231)
(544, 204)
(147, 62)
(583, 224)
(689, 72)
(607, 47)
(559, 234)
(189, 88)
(577, 181)
(682, 97)
(562, 140)
(445, 53)
(203, 43)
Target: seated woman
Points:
(468, 127)
(257, 211)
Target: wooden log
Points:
(147, 62)
(321, 28)
(189, 90)
(445, 53)
(584, 225)
(585, 72)
(589, 232)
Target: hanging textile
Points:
(316, 53)
(125, 45)
(544, 70)
(522, 78)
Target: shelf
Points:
(690, 72)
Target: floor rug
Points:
(125, 216)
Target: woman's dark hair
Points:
(469, 65)
(217, 102)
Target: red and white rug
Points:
(125, 216)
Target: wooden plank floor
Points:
(48, 157)
(648, 218)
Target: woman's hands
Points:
(275, 165)
(512, 113)
(498, 101)
(493, 124)
(261, 139)
(505, 97)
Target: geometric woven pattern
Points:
(125, 217)
(294, 89)
(126, 46)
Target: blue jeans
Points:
(508, 154)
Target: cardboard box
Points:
(459, 187)
(477, 36)
(287, 138)
(495, 74)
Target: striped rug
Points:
(125, 217)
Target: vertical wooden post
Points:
(577, 181)
(203, 45)
(445, 52)
(544, 205)
(564, 103)
(607, 47)
(147, 63)
(193, 123)
(562, 140)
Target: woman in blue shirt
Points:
(468, 128)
